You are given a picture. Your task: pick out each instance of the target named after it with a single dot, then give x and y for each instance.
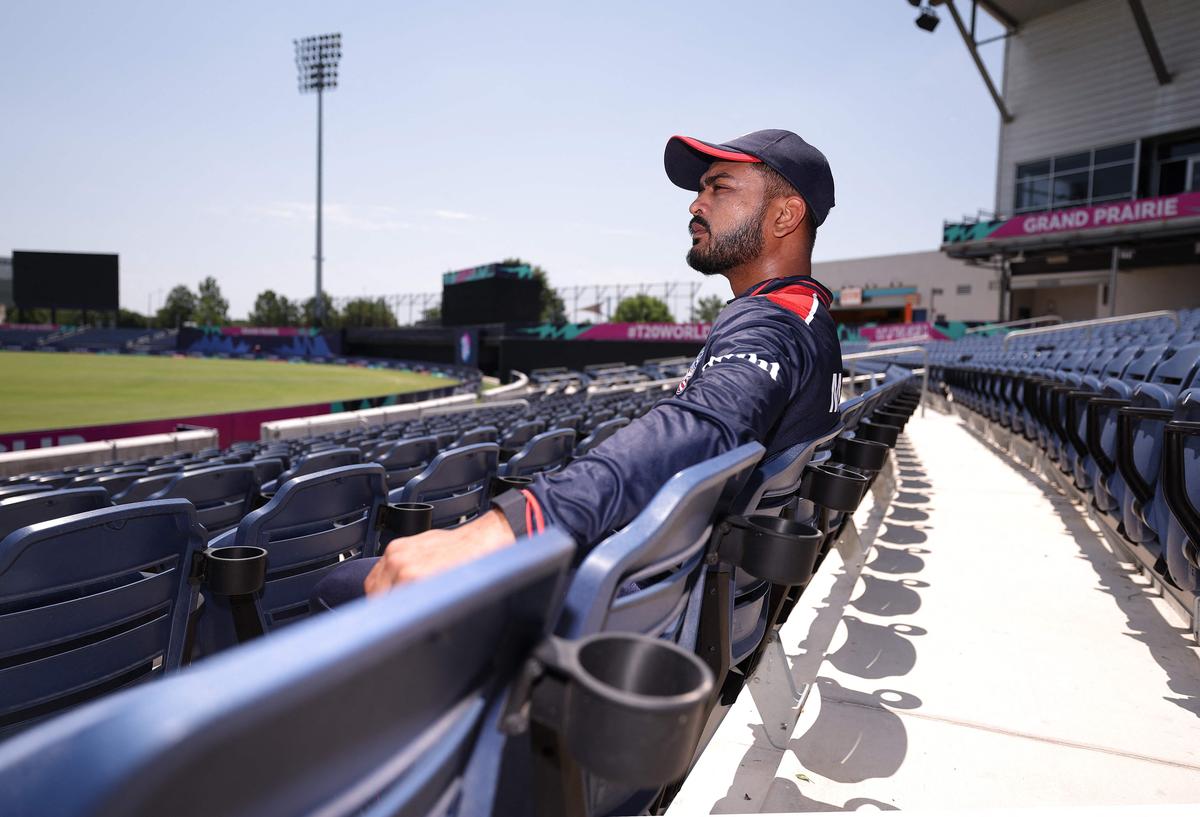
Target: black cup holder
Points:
(877, 433)
(835, 487)
(889, 418)
(502, 484)
(629, 708)
(399, 519)
(782, 551)
(235, 571)
(866, 455)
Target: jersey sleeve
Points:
(755, 361)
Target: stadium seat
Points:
(21, 488)
(314, 522)
(456, 483)
(221, 495)
(29, 509)
(145, 487)
(544, 453)
(319, 460)
(404, 459)
(599, 434)
(381, 707)
(91, 603)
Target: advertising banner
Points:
(901, 331)
(679, 332)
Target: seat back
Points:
(92, 602)
(374, 708)
(22, 488)
(455, 483)
(145, 487)
(404, 459)
(321, 460)
(521, 433)
(42, 506)
(312, 523)
(599, 434)
(222, 495)
(548, 451)
(479, 434)
(656, 556)
(267, 468)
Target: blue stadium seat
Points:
(314, 522)
(456, 483)
(404, 459)
(321, 460)
(91, 603)
(379, 707)
(29, 509)
(221, 495)
(21, 488)
(599, 434)
(544, 453)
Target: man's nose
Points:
(696, 207)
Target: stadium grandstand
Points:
(978, 592)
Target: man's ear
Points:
(790, 216)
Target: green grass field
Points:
(42, 390)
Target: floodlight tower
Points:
(316, 65)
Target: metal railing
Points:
(857, 356)
(1009, 324)
(1092, 324)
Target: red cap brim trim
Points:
(716, 153)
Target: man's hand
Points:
(415, 557)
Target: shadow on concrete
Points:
(876, 650)
(911, 498)
(901, 514)
(856, 736)
(889, 597)
(897, 560)
(903, 535)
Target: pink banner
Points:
(231, 428)
(697, 332)
(266, 331)
(900, 331)
(1115, 214)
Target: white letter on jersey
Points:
(835, 395)
(767, 366)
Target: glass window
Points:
(1033, 169)
(1033, 194)
(1073, 162)
(1179, 150)
(962, 289)
(1070, 188)
(1172, 177)
(1116, 153)
(1110, 182)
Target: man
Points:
(770, 370)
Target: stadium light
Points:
(317, 67)
(927, 19)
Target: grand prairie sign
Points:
(1099, 216)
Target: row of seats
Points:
(1117, 409)
(425, 701)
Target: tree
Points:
(128, 319)
(708, 307)
(553, 310)
(368, 312)
(271, 309)
(642, 309)
(177, 309)
(431, 316)
(309, 312)
(211, 308)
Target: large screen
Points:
(492, 300)
(65, 280)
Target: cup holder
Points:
(628, 707)
(864, 454)
(877, 433)
(781, 551)
(835, 487)
(406, 519)
(502, 484)
(889, 418)
(235, 571)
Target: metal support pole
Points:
(1151, 44)
(1112, 280)
(983, 72)
(319, 304)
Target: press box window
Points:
(1075, 179)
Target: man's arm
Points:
(734, 396)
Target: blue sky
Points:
(463, 132)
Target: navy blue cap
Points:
(805, 167)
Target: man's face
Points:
(727, 216)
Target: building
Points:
(6, 287)
(1097, 207)
(916, 286)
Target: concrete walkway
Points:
(992, 653)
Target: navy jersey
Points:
(770, 372)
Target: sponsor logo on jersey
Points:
(767, 366)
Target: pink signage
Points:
(900, 331)
(1114, 214)
(697, 332)
(265, 331)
